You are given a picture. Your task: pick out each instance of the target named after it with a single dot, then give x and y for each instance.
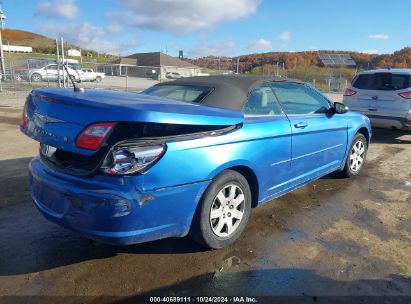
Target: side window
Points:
(187, 94)
(262, 101)
(298, 99)
(51, 67)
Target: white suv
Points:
(384, 95)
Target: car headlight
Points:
(126, 159)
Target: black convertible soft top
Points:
(229, 91)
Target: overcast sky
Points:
(217, 27)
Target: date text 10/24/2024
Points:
(205, 299)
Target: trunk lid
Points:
(57, 116)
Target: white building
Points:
(73, 53)
(17, 49)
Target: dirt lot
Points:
(332, 237)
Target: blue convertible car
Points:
(189, 156)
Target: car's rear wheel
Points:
(36, 77)
(223, 211)
(356, 156)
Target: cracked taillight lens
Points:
(129, 159)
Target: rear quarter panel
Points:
(255, 145)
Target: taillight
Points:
(406, 95)
(93, 136)
(24, 117)
(129, 158)
(408, 123)
(349, 92)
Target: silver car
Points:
(50, 72)
(384, 95)
(173, 75)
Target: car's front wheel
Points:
(356, 156)
(223, 211)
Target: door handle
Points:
(301, 125)
(372, 109)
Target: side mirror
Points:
(339, 108)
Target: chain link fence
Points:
(23, 75)
(327, 81)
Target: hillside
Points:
(18, 37)
(251, 62)
(39, 43)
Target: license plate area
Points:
(47, 151)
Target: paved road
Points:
(332, 237)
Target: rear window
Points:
(382, 81)
(185, 93)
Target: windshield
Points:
(185, 93)
(74, 66)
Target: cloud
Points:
(90, 37)
(314, 48)
(370, 52)
(260, 45)
(219, 48)
(182, 16)
(378, 37)
(285, 36)
(66, 9)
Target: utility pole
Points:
(62, 58)
(58, 62)
(81, 58)
(238, 63)
(262, 67)
(2, 18)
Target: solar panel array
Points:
(337, 60)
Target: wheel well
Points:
(252, 182)
(364, 132)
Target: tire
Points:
(98, 79)
(36, 77)
(229, 196)
(356, 156)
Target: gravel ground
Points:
(331, 237)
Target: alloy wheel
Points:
(357, 156)
(36, 77)
(227, 210)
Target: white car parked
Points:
(384, 95)
(174, 75)
(90, 75)
(50, 72)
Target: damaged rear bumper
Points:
(117, 214)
